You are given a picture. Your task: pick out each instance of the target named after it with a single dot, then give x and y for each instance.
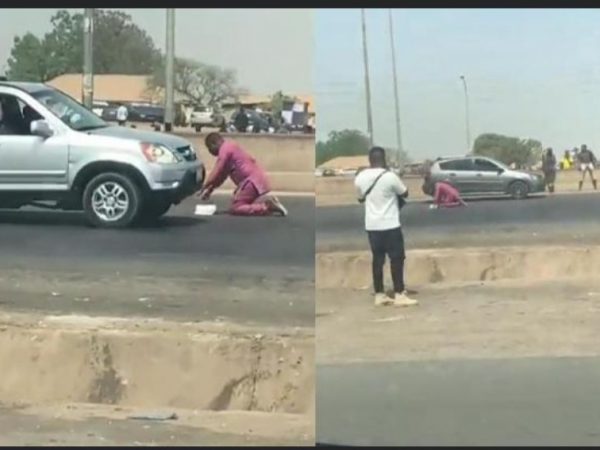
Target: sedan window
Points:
(458, 165)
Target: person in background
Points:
(587, 164)
(566, 163)
(241, 120)
(379, 189)
(446, 196)
(122, 114)
(549, 169)
(251, 196)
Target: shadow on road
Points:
(62, 218)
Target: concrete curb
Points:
(154, 364)
(428, 266)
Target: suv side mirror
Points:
(41, 128)
(500, 170)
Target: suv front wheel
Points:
(111, 200)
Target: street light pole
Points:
(88, 58)
(170, 70)
(467, 119)
(396, 102)
(367, 86)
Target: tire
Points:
(198, 128)
(122, 188)
(518, 190)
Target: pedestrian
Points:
(446, 196)
(122, 114)
(549, 169)
(381, 190)
(252, 194)
(587, 164)
(566, 163)
(241, 120)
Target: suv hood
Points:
(153, 137)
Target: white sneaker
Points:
(277, 206)
(403, 300)
(433, 206)
(382, 300)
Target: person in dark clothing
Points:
(549, 169)
(587, 164)
(241, 120)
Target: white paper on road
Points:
(205, 210)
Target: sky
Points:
(530, 73)
(270, 49)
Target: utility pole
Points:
(396, 103)
(367, 86)
(467, 118)
(88, 57)
(170, 70)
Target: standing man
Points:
(252, 185)
(241, 120)
(587, 164)
(379, 189)
(122, 114)
(549, 169)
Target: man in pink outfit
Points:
(251, 197)
(446, 196)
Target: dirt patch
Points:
(154, 363)
(479, 320)
(431, 266)
(99, 425)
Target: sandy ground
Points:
(479, 320)
(97, 425)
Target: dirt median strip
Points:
(426, 266)
(153, 363)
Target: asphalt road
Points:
(483, 222)
(546, 402)
(258, 269)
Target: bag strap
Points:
(368, 191)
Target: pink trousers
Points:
(446, 196)
(244, 201)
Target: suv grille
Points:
(188, 153)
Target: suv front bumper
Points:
(186, 183)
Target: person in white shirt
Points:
(122, 114)
(381, 192)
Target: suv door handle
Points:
(452, 174)
(479, 175)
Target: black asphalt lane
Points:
(483, 222)
(545, 401)
(179, 243)
(249, 270)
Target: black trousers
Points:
(390, 243)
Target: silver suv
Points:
(479, 175)
(52, 149)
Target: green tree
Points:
(342, 143)
(120, 47)
(200, 83)
(27, 61)
(507, 149)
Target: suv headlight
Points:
(160, 154)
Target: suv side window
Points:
(484, 165)
(16, 116)
(457, 165)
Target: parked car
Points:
(203, 116)
(478, 175)
(146, 113)
(257, 122)
(56, 150)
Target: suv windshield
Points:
(69, 111)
